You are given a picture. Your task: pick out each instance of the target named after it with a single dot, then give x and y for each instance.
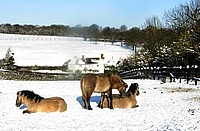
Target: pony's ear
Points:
(137, 85)
(19, 92)
(133, 87)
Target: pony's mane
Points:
(31, 95)
(115, 77)
(132, 89)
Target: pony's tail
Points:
(84, 92)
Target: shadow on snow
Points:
(92, 99)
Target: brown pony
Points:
(36, 103)
(128, 101)
(100, 83)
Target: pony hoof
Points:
(24, 112)
(89, 108)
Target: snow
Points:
(159, 108)
(54, 51)
(162, 106)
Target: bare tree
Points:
(185, 20)
(153, 21)
(184, 16)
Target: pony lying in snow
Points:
(36, 103)
(128, 101)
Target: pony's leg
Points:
(107, 101)
(102, 100)
(99, 104)
(110, 100)
(89, 94)
(26, 111)
(86, 94)
(88, 106)
(84, 103)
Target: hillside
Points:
(54, 51)
(34, 54)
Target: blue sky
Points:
(113, 13)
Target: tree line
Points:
(93, 32)
(175, 41)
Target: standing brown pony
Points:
(100, 84)
(128, 101)
(36, 103)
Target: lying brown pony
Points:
(128, 101)
(36, 103)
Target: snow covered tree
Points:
(9, 58)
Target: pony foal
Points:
(128, 101)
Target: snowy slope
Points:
(169, 106)
(53, 50)
(158, 108)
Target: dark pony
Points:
(36, 103)
(100, 83)
(128, 101)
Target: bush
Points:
(9, 58)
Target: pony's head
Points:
(119, 84)
(24, 95)
(122, 89)
(133, 89)
(19, 99)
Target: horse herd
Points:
(89, 83)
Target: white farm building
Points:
(87, 64)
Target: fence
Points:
(164, 73)
(14, 37)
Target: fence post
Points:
(172, 78)
(195, 81)
(188, 74)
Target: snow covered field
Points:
(160, 108)
(169, 106)
(54, 51)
